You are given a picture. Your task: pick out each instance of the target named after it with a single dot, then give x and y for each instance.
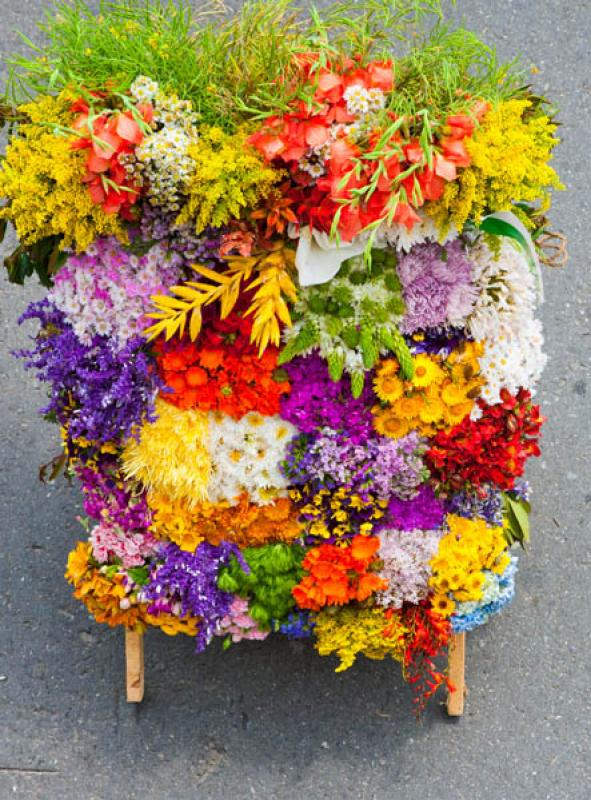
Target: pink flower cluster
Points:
(239, 624)
(106, 290)
(110, 543)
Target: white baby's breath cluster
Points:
(245, 457)
(406, 557)
(161, 160)
(504, 319)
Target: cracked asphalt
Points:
(271, 720)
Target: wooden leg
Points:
(457, 652)
(134, 666)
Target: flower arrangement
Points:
(290, 339)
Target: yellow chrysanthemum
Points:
(171, 455)
(388, 424)
(443, 605)
(426, 371)
(455, 414)
(388, 387)
(408, 407)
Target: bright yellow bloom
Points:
(388, 387)
(229, 176)
(171, 455)
(387, 424)
(426, 371)
(41, 178)
(510, 152)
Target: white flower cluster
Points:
(503, 318)
(161, 160)
(106, 290)
(245, 456)
(406, 557)
(362, 102)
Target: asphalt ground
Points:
(271, 720)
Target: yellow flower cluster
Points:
(172, 625)
(470, 547)
(510, 153)
(339, 506)
(229, 176)
(350, 631)
(170, 455)
(41, 177)
(100, 594)
(440, 394)
(245, 523)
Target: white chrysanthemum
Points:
(245, 457)
(401, 238)
(503, 319)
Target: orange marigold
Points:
(337, 575)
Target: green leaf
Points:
(141, 575)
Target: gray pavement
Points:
(271, 720)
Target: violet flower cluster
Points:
(316, 401)
(437, 286)
(486, 504)
(157, 225)
(99, 391)
(423, 511)
(186, 583)
(109, 495)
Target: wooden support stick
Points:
(456, 662)
(134, 666)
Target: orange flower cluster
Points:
(337, 575)
(222, 371)
(245, 523)
(100, 594)
(110, 138)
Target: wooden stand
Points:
(456, 658)
(134, 670)
(134, 666)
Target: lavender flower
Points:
(186, 583)
(158, 225)
(487, 504)
(100, 393)
(437, 286)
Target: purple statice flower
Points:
(521, 490)
(397, 465)
(157, 225)
(423, 511)
(99, 392)
(108, 495)
(487, 504)
(186, 583)
(436, 342)
(316, 401)
(437, 286)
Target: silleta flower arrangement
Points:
(289, 339)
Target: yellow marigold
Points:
(41, 177)
(172, 625)
(246, 524)
(228, 177)
(470, 547)
(171, 456)
(351, 631)
(510, 152)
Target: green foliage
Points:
(240, 66)
(44, 258)
(516, 515)
(274, 570)
(352, 320)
